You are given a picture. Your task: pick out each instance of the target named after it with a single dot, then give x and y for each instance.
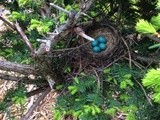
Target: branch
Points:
(23, 69)
(20, 31)
(24, 37)
(24, 80)
(156, 39)
(63, 30)
(36, 91)
(36, 103)
(7, 23)
(85, 5)
(146, 59)
(80, 32)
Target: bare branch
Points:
(80, 32)
(24, 80)
(7, 23)
(59, 8)
(24, 37)
(60, 32)
(36, 103)
(63, 30)
(23, 69)
(85, 5)
(154, 38)
(36, 91)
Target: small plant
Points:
(152, 81)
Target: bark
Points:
(23, 69)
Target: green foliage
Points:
(18, 16)
(85, 100)
(14, 96)
(152, 80)
(144, 26)
(82, 100)
(42, 26)
(155, 20)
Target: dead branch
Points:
(154, 38)
(35, 92)
(36, 103)
(146, 59)
(7, 23)
(24, 80)
(24, 37)
(63, 30)
(23, 69)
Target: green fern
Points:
(145, 27)
(152, 80)
(155, 20)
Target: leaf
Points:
(76, 80)
(154, 46)
(106, 70)
(130, 116)
(155, 20)
(123, 85)
(145, 27)
(158, 4)
(156, 97)
(152, 78)
(111, 112)
(129, 82)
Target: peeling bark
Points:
(23, 69)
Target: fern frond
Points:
(155, 20)
(152, 78)
(145, 27)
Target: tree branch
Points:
(7, 23)
(36, 91)
(24, 80)
(23, 69)
(63, 30)
(36, 103)
(24, 37)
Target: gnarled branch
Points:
(23, 69)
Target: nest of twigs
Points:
(114, 44)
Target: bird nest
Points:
(114, 42)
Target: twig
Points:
(129, 54)
(7, 23)
(146, 59)
(36, 103)
(63, 30)
(59, 8)
(37, 91)
(156, 39)
(80, 32)
(24, 37)
(25, 80)
(66, 11)
(145, 93)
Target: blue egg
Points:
(94, 43)
(102, 39)
(102, 46)
(96, 49)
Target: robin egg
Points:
(102, 46)
(96, 49)
(94, 43)
(102, 39)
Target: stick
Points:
(23, 69)
(80, 32)
(36, 103)
(7, 23)
(24, 37)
